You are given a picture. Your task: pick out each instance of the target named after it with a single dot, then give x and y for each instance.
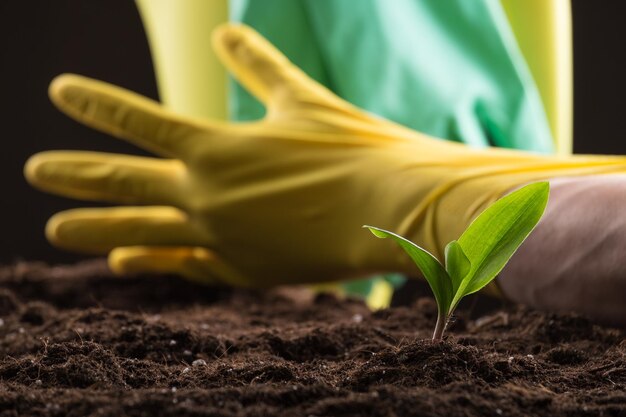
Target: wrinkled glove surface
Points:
(277, 201)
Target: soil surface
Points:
(76, 341)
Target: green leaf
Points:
(435, 274)
(457, 264)
(494, 236)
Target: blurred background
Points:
(104, 39)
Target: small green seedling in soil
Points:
(474, 260)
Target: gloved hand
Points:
(277, 201)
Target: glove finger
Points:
(98, 230)
(258, 65)
(127, 115)
(194, 263)
(107, 177)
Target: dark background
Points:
(104, 39)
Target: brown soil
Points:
(76, 341)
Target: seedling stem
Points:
(478, 256)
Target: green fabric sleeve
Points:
(451, 68)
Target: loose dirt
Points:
(76, 341)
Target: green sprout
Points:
(476, 258)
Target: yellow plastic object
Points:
(543, 29)
(190, 78)
(378, 298)
(277, 201)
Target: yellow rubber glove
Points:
(277, 201)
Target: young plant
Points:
(474, 260)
